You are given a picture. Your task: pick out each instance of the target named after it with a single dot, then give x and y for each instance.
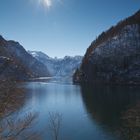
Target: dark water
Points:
(88, 112)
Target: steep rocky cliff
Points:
(114, 57)
(17, 63)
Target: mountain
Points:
(114, 57)
(17, 63)
(58, 67)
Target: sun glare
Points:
(46, 3)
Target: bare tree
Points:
(12, 128)
(55, 120)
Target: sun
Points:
(46, 3)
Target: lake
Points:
(87, 112)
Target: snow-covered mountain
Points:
(58, 66)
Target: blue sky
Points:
(60, 27)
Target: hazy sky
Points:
(60, 27)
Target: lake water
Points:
(88, 113)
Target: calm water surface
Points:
(88, 113)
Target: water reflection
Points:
(109, 106)
(101, 112)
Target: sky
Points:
(60, 27)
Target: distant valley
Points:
(58, 66)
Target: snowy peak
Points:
(38, 54)
(58, 66)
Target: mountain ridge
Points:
(114, 56)
(19, 61)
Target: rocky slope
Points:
(17, 63)
(58, 66)
(114, 57)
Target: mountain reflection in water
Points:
(115, 108)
